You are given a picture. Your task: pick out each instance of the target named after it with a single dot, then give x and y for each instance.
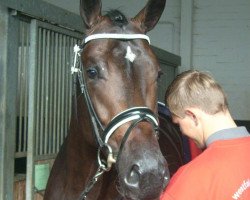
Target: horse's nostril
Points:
(133, 176)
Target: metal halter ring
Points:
(106, 166)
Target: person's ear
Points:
(192, 115)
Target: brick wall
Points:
(221, 45)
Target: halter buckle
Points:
(106, 165)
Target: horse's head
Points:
(121, 78)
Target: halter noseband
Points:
(133, 115)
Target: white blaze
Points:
(130, 55)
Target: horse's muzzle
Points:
(145, 179)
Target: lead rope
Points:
(103, 167)
(91, 183)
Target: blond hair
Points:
(195, 89)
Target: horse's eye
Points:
(92, 72)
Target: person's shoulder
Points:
(220, 145)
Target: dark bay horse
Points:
(112, 149)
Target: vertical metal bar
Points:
(9, 34)
(59, 89)
(42, 99)
(20, 134)
(46, 76)
(67, 78)
(55, 94)
(18, 102)
(63, 88)
(18, 94)
(31, 112)
(50, 130)
(67, 82)
(67, 72)
(73, 40)
(69, 106)
(26, 87)
(38, 89)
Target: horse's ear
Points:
(150, 14)
(90, 11)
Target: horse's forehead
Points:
(129, 50)
(118, 50)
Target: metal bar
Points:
(55, 94)
(38, 86)
(63, 69)
(26, 88)
(22, 93)
(42, 99)
(20, 154)
(51, 92)
(18, 97)
(46, 76)
(69, 81)
(9, 34)
(45, 157)
(67, 84)
(59, 89)
(73, 42)
(67, 72)
(31, 112)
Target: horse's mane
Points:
(117, 17)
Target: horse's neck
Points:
(75, 163)
(78, 143)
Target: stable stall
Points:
(37, 41)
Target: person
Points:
(199, 106)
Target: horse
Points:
(112, 149)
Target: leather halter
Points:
(133, 115)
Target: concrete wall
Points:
(221, 45)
